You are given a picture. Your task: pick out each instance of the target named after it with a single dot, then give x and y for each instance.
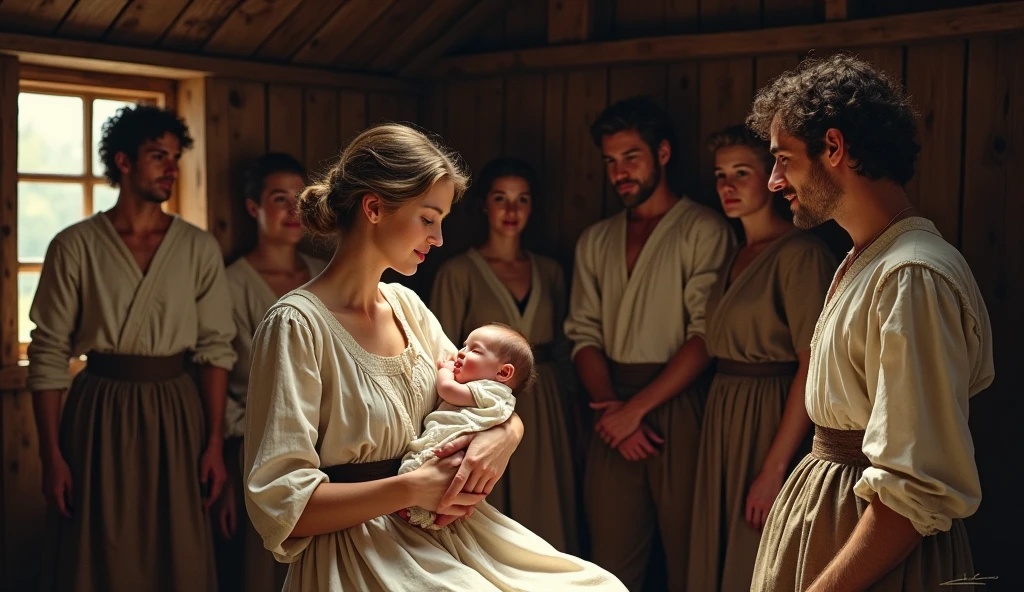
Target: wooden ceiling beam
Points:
(103, 57)
(248, 25)
(90, 20)
(478, 15)
(342, 31)
(376, 37)
(890, 30)
(419, 31)
(33, 16)
(196, 24)
(143, 23)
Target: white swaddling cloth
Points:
(494, 405)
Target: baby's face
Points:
(477, 360)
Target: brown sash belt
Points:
(132, 368)
(628, 379)
(757, 369)
(839, 446)
(543, 353)
(363, 472)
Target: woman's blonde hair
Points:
(394, 162)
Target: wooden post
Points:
(8, 211)
(192, 176)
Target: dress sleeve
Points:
(449, 301)
(282, 466)
(918, 377)
(55, 310)
(805, 280)
(711, 241)
(583, 323)
(214, 311)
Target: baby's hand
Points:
(447, 362)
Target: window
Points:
(60, 176)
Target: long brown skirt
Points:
(137, 520)
(816, 513)
(741, 420)
(538, 489)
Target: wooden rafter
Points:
(248, 25)
(88, 55)
(891, 30)
(341, 31)
(420, 30)
(468, 25)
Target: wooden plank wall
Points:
(232, 122)
(246, 119)
(972, 144)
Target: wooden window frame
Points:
(87, 86)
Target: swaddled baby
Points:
(477, 387)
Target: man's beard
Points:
(818, 199)
(150, 194)
(644, 191)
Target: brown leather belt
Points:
(839, 446)
(132, 368)
(363, 472)
(756, 369)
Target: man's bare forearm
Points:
(593, 369)
(213, 382)
(880, 541)
(685, 366)
(46, 405)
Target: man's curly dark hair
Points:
(852, 96)
(130, 127)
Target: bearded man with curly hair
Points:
(904, 341)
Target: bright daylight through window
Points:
(60, 176)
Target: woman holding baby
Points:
(501, 281)
(343, 375)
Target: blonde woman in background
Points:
(761, 315)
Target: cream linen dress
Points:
(251, 297)
(317, 399)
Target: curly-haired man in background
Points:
(902, 344)
(135, 289)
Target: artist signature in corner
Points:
(975, 580)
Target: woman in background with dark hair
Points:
(500, 281)
(761, 314)
(258, 279)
